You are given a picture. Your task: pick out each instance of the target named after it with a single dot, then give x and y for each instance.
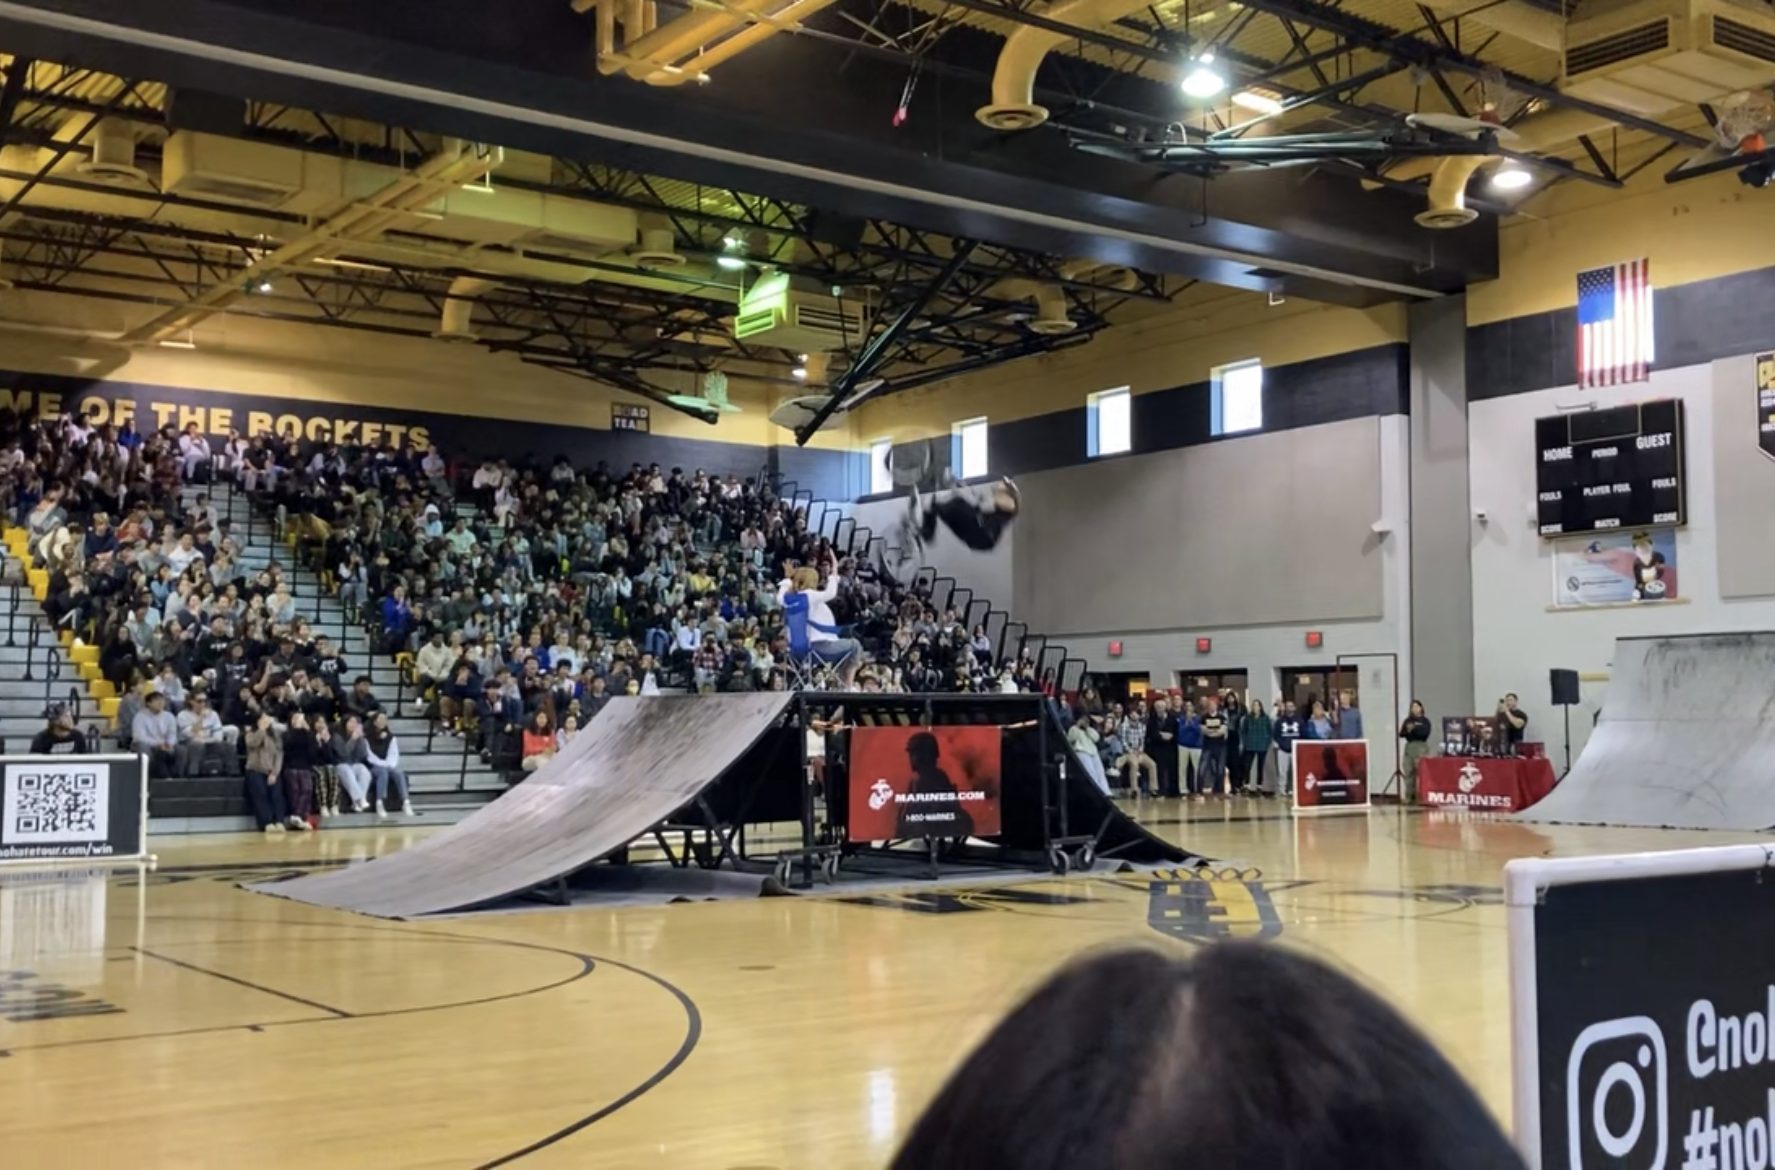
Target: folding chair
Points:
(806, 671)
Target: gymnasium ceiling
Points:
(869, 149)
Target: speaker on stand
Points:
(1564, 687)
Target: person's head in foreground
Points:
(1241, 1056)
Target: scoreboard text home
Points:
(1600, 470)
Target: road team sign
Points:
(1643, 1009)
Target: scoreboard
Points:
(1604, 469)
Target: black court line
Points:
(333, 1011)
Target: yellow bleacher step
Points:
(103, 688)
(108, 707)
(84, 653)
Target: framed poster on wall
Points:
(1765, 392)
(1617, 568)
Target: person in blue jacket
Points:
(1189, 748)
(1317, 724)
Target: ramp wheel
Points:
(1087, 857)
(780, 871)
(1058, 861)
(829, 868)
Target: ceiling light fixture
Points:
(731, 263)
(799, 373)
(1511, 176)
(264, 286)
(1203, 80)
(1257, 102)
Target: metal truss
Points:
(629, 337)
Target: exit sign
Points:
(1204, 645)
(1115, 649)
(1315, 639)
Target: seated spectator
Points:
(351, 763)
(1245, 1056)
(539, 742)
(58, 737)
(384, 758)
(154, 732)
(359, 701)
(205, 746)
(569, 729)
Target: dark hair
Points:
(1241, 1056)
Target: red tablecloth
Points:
(1492, 784)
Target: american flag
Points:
(1615, 324)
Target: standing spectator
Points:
(1234, 712)
(1162, 735)
(351, 759)
(1287, 730)
(397, 618)
(384, 758)
(1415, 731)
(1214, 737)
(1317, 724)
(1254, 737)
(1189, 747)
(300, 755)
(1085, 746)
(265, 759)
(1349, 718)
(155, 733)
(1512, 723)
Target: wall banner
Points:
(73, 807)
(1617, 568)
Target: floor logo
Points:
(1207, 905)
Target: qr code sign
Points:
(48, 804)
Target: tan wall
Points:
(328, 365)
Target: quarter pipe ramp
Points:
(1686, 739)
(633, 766)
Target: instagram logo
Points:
(1617, 1089)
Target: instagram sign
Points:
(1643, 1009)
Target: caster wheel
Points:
(1087, 857)
(1058, 861)
(829, 870)
(780, 871)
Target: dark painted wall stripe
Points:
(1694, 323)
(1358, 384)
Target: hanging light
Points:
(799, 373)
(264, 286)
(1512, 176)
(1203, 80)
(730, 263)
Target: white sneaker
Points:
(407, 807)
(381, 810)
(273, 829)
(360, 806)
(294, 822)
(325, 812)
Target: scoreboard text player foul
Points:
(1599, 470)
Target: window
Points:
(968, 454)
(1109, 424)
(1238, 398)
(881, 476)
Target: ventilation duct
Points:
(658, 248)
(685, 49)
(1648, 57)
(457, 320)
(1448, 193)
(1013, 104)
(1050, 317)
(113, 157)
(1100, 274)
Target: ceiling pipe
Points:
(1013, 105)
(687, 48)
(1513, 18)
(1051, 316)
(1535, 134)
(456, 322)
(1448, 193)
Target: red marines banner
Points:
(924, 782)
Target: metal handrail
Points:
(31, 637)
(52, 671)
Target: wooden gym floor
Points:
(183, 1022)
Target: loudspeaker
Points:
(1564, 684)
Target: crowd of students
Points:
(1213, 746)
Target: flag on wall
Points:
(1615, 324)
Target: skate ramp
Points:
(633, 766)
(1686, 739)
